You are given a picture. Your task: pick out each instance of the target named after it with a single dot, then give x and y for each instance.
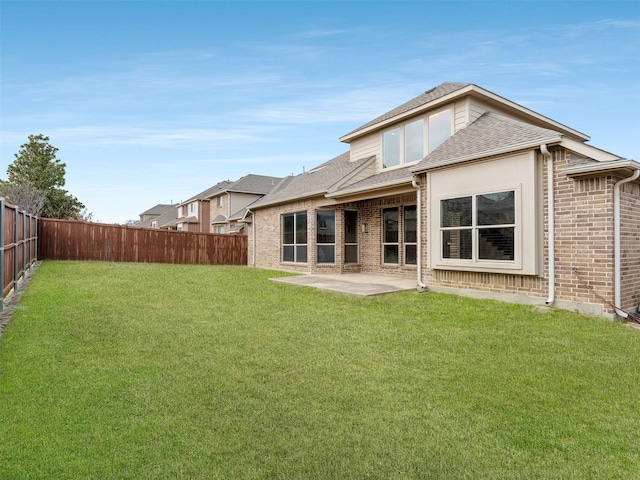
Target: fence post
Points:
(16, 249)
(26, 260)
(2, 225)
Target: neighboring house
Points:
(229, 203)
(157, 216)
(194, 214)
(469, 193)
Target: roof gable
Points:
(209, 192)
(490, 134)
(258, 184)
(316, 181)
(427, 97)
(452, 91)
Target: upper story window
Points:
(409, 142)
(439, 129)
(220, 201)
(192, 207)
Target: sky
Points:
(155, 101)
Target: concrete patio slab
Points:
(352, 283)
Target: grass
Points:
(141, 371)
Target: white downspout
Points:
(415, 185)
(253, 237)
(551, 225)
(616, 243)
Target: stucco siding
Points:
(584, 248)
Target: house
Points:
(469, 193)
(157, 216)
(194, 214)
(228, 204)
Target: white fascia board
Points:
(282, 201)
(552, 123)
(602, 167)
(489, 153)
(588, 150)
(353, 173)
(369, 188)
(414, 111)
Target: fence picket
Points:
(73, 240)
(21, 251)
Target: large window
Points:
(410, 235)
(326, 236)
(406, 143)
(399, 248)
(294, 237)
(350, 236)
(439, 129)
(479, 227)
(390, 245)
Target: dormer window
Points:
(406, 143)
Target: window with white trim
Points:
(325, 236)
(220, 201)
(218, 229)
(399, 235)
(408, 143)
(479, 227)
(294, 237)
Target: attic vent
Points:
(430, 90)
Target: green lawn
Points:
(113, 371)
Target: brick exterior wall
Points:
(584, 235)
(268, 234)
(215, 210)
(584, 238)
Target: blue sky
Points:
(154, 101)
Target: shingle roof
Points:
(427, 97)
(316, 181)
(209, 192)
(187, 220)
(490, 134)
(170, 213)
(159, 209)
(260, 184)
(219, 219)
(387, 178)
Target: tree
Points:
(25, 196)
(36, 172)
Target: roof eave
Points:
(273, 203)
(622, 166)
(468, 89)
(409, 113)
(370, 188)
(489, 153)
(554, 125)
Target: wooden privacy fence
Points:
(73, 240)
(18, 246)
